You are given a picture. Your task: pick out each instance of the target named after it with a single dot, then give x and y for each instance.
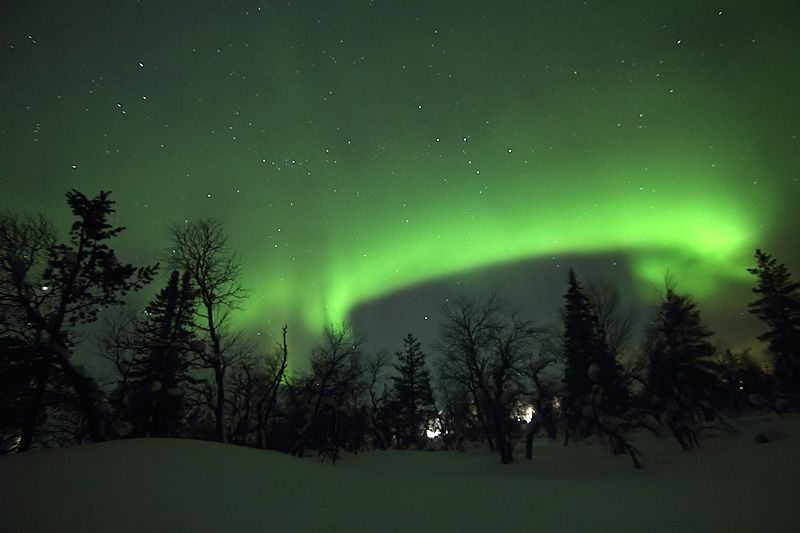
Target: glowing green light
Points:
(681, 221)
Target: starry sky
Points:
(372, 158)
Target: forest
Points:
(179, 368)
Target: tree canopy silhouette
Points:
(48, 288)
(778, 306)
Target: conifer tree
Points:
(160, 370)
(680, 352)
(56, 290)
(413, 396)
(681, 372)
(581, 342)
(585, 349)
(778, 306)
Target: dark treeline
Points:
(181, 370)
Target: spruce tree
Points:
(413, 396)
(159, 372)
(778, 306)
(681, 372)
(679, 350)
(580, 341)
(585, 349)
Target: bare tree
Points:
(541, 388)
(465, 339)
(274, 377)
(118, 345)
(615, 323)
(486, 349)
(335, 380)
(455, 414)
(377, 367)
(200, 248)
(244, 384)
(25, 244)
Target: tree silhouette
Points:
(614, 323)
(54, 287)
(465, 340)
(681, 371)
(275, 376)
(778, 306)
(543, 390)
(412, 389)
(25, 242)
(586, 348)
(381, 408)
(252, 389)
(324, 396)
(486, 351)
(159, 372)
(743, 381)
(200, 249)
(456, 401)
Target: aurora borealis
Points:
(357, 149)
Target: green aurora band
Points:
(356, 149)
(684, 221)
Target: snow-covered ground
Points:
(728, 484)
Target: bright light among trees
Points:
(524, 412)
(434, 428)
(529, 412)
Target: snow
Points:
(729, 483)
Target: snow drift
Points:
(730, 483)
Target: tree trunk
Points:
(506, 450)
(219, 406)
(262, 433)
(504, 445)
(273, 398)
(484, 424)
(88, 397)
(533, 428)
(529, 446)
(35, 407)
(263, 415)
(383, 442)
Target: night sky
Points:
(370, 159)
